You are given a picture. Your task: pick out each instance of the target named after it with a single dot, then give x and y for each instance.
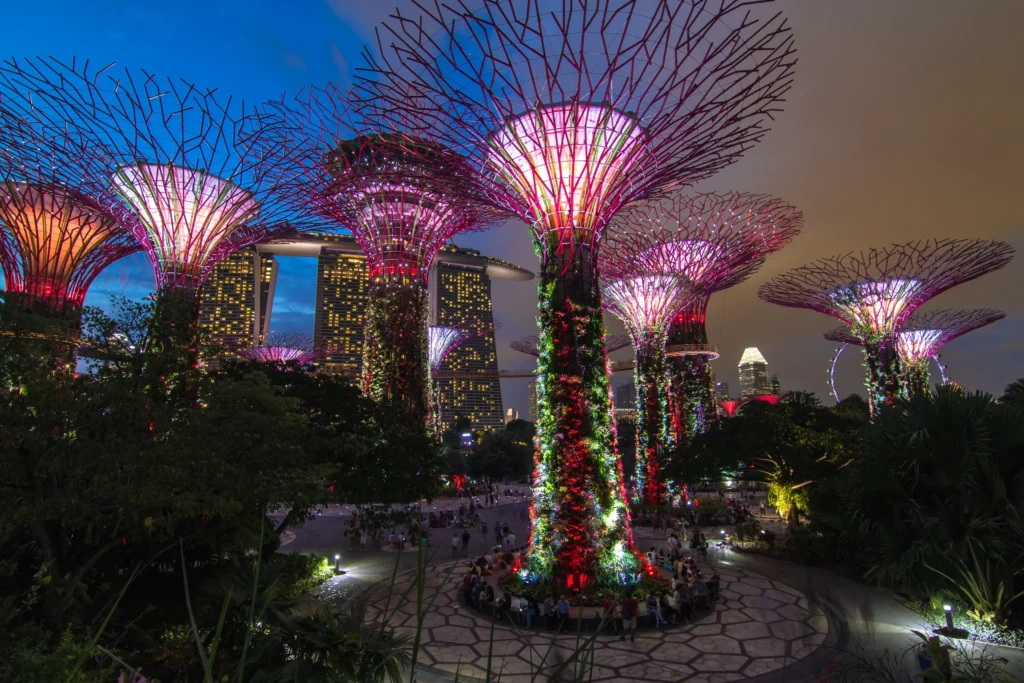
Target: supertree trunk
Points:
(580, 521)
(917, 379)
(173, 346)
(652, 436)
(885, 374)
(395, 367)
(691, 385)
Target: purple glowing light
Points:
(279, 355)
(877, 307)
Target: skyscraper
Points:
(236, 302)
(461, 295)
(754, 378)
(532, 389)
(341, 284)
(625, 396)
(776, 387)
(721, 391)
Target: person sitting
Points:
(667, 610)
(684, 602)
(487, 599)
(478, 589)
(701, 594)
(652, 556)
(654, 607)
(714, 586)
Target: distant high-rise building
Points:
(237, 301)
(721, 391)
(532, 389)
(461, 295)
(625, 396)
(341, 284)
(776, 387)
(754, 378)
(511, 415)
(237, 311)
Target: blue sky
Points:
(901, 125)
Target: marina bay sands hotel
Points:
(238, 299)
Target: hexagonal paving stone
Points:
(762, 602)
(766, 616)
(745, 589)
(793, 612)
(791, 630)
(786, 588)
(819, 623)
(708, 630)
(765, 647)
(732, 616)
(719, 663)
(453, 653)
(804, 647)
(670, 653)
(781, 596)
(764, 665)
(716, 644)
(747, 630)
(759, 582)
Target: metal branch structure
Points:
(874, 292)
(566, 116)
(283, 349)
(402, 197)
(646, 304)
(55, 238)
(716, 241)
(921, 339)
(178, 161)
(530, 345)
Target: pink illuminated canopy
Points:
(570, 167)
(645, 303)
(188, 219)
(441, 341)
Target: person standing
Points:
(629, 609)
(465, 543)
(563, 612)
(510, 540)
(455, 544)
(497, 535)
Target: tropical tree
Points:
(937, 498)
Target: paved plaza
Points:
(757, 626)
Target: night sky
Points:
(904, 122)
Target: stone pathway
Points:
(757, 627)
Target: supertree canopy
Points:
(646, 304)
(54, 238)
(715, 241)
(874, 292)
(530, 345)
(402, 197)
(282, 349)
(922, 337)
(730, 406)
(566, 116)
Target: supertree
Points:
(730, 406)
(566, 117)
(282, 348)
(530, 345)
(770, 399)
(921, 338)
(179, 160)
(54, 238)
(646, 304)
(402, 197)
(874, 292)
(715, 241)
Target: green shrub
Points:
(649, 585)
(303, 573)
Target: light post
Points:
(337, 564)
